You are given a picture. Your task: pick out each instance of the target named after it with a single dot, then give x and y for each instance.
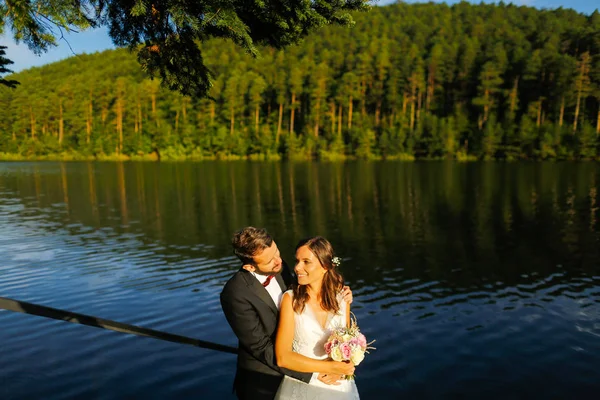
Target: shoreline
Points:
(7, 157)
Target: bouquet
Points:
(348, 344)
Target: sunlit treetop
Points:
(166, 34)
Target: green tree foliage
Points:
(408, 81)
(4, 62)
(165, 34)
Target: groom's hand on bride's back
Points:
(330, 379)
(347, 294)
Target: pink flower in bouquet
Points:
(347, 344)
(328, 347)
(346, 350)
(362, 341)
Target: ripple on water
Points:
(511, 313)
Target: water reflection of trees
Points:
(463, 225)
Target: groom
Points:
(250, 301)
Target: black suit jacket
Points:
(253, 316)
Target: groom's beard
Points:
(267, 273)
(278, 271)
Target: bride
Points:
(308, 313)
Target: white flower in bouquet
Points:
(348, 344)
(336, 354)
(357, 355)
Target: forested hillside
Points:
(407, 81)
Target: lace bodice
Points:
(309, 336)
(309, 340)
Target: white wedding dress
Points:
(309, 340)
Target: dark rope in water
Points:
(76, 318)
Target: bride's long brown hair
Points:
(333, 282)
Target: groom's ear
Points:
(249, 267)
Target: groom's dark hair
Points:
(249, 241)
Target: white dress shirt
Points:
(273, 288)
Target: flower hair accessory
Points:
(336, 261)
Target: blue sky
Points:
(98, 40)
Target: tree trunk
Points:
(580, 82)
(350, 101)
(154, 114)
(256, 118)
(419, 101)
(140, 117)
(412, 114)
(377, 112)
(363, 94)
(332, 108)
(61, 123)
(232, 119)
(104, 116)
(88, 127)
(577, 111)
(413, 98)
(430, 89)
(598, 119)
(279, 123)
(317, 117)
(135, 124)
(340, 121)
(120, 124)
(538, 122)
(486, 107)
(292, 113)
(514, 95)
(562, 112)
(543, 117)
(32, 120)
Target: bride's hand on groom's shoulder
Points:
(330, 379)
(347, 294)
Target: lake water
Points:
(477, 280)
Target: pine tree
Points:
(4, 70)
